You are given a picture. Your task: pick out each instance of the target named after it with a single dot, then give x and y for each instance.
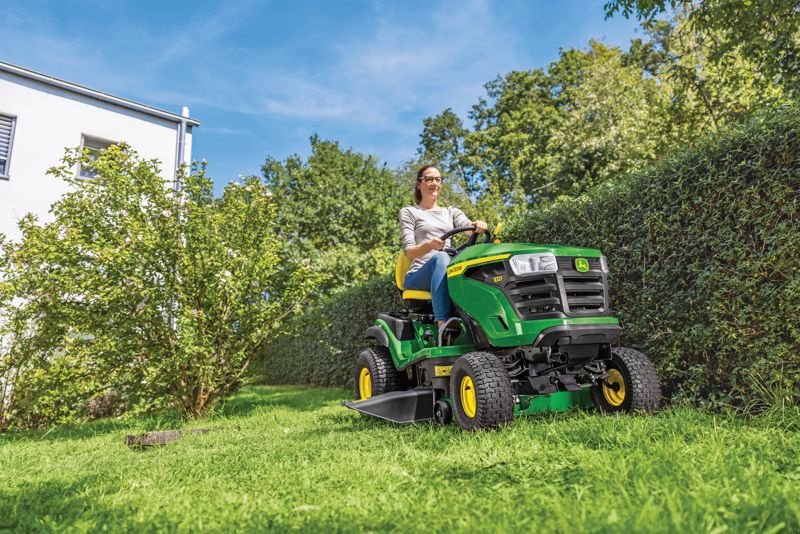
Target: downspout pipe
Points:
(180, 160)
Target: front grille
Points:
(567, 293)
(535, 296)
(567, 263)
(585, 292)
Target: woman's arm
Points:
(459, 219)
(420, 250)
(411, 249)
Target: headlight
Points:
(604, 264)
(534, 263)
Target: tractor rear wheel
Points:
(375, 373)
(632, 383)
(481, 391)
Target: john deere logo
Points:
(581, 265)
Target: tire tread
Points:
(645, 385)
(385, 377)
(493, 389)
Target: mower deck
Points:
(416, 405)
(408, 406)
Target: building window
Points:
(7, 124)
(94, 145)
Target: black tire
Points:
(632, 384)
(382, 375)
(479, 381)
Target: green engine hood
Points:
(491, 249)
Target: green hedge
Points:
(322, 351)
(705, 270)
(705, 259)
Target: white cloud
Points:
(377, 76)
(374, 82)
(400, 63)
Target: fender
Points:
(383, 335)
(378, 334)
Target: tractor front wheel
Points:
(481, 391)
(631, 385)
(375, 373)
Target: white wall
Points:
(50, 119)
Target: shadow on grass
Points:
(241, 404)
(76, 505)
(55, 505)
(300, 398)
(161, 421)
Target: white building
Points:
(40, 116)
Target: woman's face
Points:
(431, 183)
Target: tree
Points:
(163, 298)
(539, 134)
(442, 144)
(338, 204)
(613, 118)
(764, 32)
(507, 148)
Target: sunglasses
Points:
(431, 179)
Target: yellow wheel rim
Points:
(469, 403)
(364, 384)
(614, 388)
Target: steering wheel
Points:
(472, 239)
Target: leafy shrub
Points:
(163, 297)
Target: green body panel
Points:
(406, 352)
(490, 308)
(402, 351)
(493, 249)
(443, 352)
(560, 401)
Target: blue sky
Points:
(263, 76)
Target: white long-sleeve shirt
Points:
(418, 225)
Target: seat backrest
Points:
(400, 269)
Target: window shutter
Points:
(6, 137)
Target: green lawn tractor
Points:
(533, 332)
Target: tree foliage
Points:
(600, 113)
(765, 32)
(163, 298)
(339, 210)
(540, 134)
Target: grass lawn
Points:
(284, 458)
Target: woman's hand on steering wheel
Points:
(436, 243)
(472, 239)
(480, 227)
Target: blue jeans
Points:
(432, 276)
